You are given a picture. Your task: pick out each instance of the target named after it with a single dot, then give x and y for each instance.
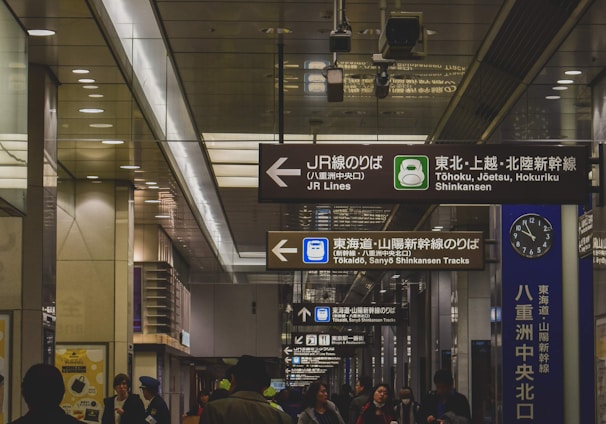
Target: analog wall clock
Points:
(531, 235)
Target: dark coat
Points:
(456, 403)
(134, 411)
(355, 407)
(243, 407)
(158, 410)
(55, 415)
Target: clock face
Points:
(531, 235)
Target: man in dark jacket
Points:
(245, 404)
(363, 389)
(157, 411)
(445, 402)
(43, 389)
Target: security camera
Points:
(340, 40)
(402, 32)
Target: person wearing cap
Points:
(157, 411)
(43, 389)
(125, 407)
(245, 404)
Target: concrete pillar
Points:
(27, 254)
(95, 269)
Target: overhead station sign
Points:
(337, 314)
(436, 250)
(433, 173)
(322, 339)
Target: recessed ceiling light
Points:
(90, 87)
(80, 71)
(552, 97)
(565, 81)
(101, 125)
(112, 141)
(382, 291)
(152, 201)
(130, 167)
(151, 183)
(92, 177)
(162, 216)
(86, 80)
(91, 110)
(96, 96)
(41, 32)
(560, 88)
(154, 187)
(573, 72)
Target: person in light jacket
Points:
(318, 409)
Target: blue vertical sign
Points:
(532, 321)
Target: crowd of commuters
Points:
(246, 397)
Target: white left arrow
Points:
(275, 172)
(278, 250)
(288, 350)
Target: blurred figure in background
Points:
(380, 407)
(444, 402)
(407, 408)
(343, 400)
(363, 388)
(318, 409)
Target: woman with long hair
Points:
(318, 409)
(380, 407)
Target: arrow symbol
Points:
(274, 172)
(287, 360)
(278, 250)
(304, 313)
(299, 340)
(287, 350)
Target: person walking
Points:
(444, 403)
(124, 407)
(318, 409)
(245, 404)
(407, 408)
(363, 387)
(380, 408)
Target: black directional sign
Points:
(336, 314)
(322, 339)
(436, 173)
(444, 250)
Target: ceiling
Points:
(488, 68)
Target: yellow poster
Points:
(84, 372)
(4, 366)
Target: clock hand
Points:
(527, 232)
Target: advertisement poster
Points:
(84, 371)
(4, 365)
